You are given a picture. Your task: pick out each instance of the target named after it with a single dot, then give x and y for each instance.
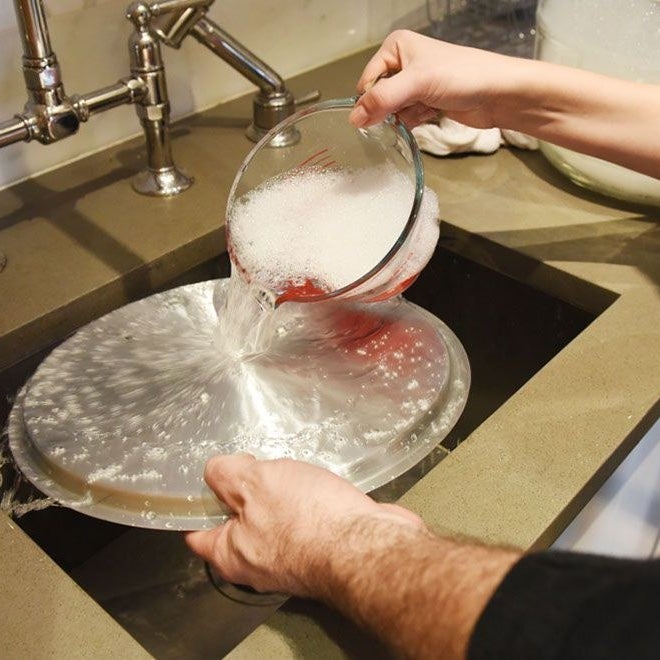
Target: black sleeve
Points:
(569, 605)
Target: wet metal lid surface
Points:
(119, 421)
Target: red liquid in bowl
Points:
(301, 292)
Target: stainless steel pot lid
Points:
(119, 421)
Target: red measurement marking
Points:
(315, 156)
(320, 159)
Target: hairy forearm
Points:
(617, 120)
(420, 593)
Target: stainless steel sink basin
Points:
(163, 596)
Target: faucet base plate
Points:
(282, 139)
(161, 183)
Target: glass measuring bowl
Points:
(324, 204)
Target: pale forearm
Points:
(617, 120)
(419, 593)
(614, 119)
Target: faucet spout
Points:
(237, 56)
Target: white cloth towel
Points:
(449, 137)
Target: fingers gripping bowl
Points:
(341, 214)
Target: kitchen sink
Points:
(162, 595)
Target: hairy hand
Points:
(428, 76)
(288, 516)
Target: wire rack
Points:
(505, 26)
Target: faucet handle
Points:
(310, 97)
(270, 108)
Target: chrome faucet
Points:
(51, 115)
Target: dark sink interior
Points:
(161, 594)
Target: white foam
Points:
(328, 227)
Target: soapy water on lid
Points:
(167, 382)
(329, 227)
(19, 496)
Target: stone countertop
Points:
(79, 243)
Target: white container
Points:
(613, 37)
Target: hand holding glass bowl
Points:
(341, 214)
